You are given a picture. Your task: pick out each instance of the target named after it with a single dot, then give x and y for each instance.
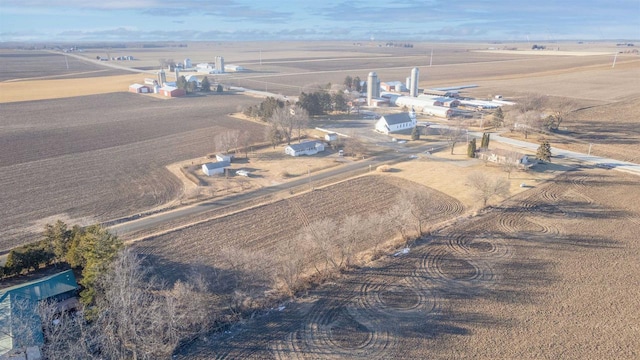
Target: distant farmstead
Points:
(213, 168)
(305, 148)
(170, 91)
(139, 89)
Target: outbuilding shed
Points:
(170, 91)
(305, 148)
(213, 168)
(139, 89)
(224, 157)
(331, 137)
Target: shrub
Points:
(384, 168)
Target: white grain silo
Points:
(413, 89)
(373, 87)
(187, 63)
(407, 82)
(162, 77)
(220, 64)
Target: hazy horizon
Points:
(332, 20)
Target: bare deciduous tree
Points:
(322, 234)
(526, 116)
(291, 263)
(400, 218)
(141, 320)
(417, 204)
(487, 187)
(561, 109)
(453, 134)
(288, 119)
(227, 140)
(510, 163)
(137, 317)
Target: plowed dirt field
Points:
(552, 273)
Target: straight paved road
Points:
(590, 159)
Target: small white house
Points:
(396, 122)
(213, 168)
(501, 156)
(305, 148)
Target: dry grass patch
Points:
(65, 88)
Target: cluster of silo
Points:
(162, 78)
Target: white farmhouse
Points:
(396, 122)
(213, 168)
(305, 148)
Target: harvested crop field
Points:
(95, 158)
(18, 65)
(552, 273)
(262, 229)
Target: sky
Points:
(351, 20)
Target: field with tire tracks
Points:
(551, 272)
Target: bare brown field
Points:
(264, 228)
(100, 157)
(20, 65)
(552, 273)
(549, 273)
(607, 130)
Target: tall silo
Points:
(413, 90)
(373, 87)
(187, 63)
(407, 82)
(162, 77)
(220, 64)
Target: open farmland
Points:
(553, 272)
(95, 158)
(265, 228)
(20, 65)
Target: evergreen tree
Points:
(415, 134)
(544, 151)
(471, 148)
(498, 117)
(356, 84)
(339, 102)
(59, 238)
(181, 83)
(92, 249)
(205, 85)
(484, 144)
(348, 82)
